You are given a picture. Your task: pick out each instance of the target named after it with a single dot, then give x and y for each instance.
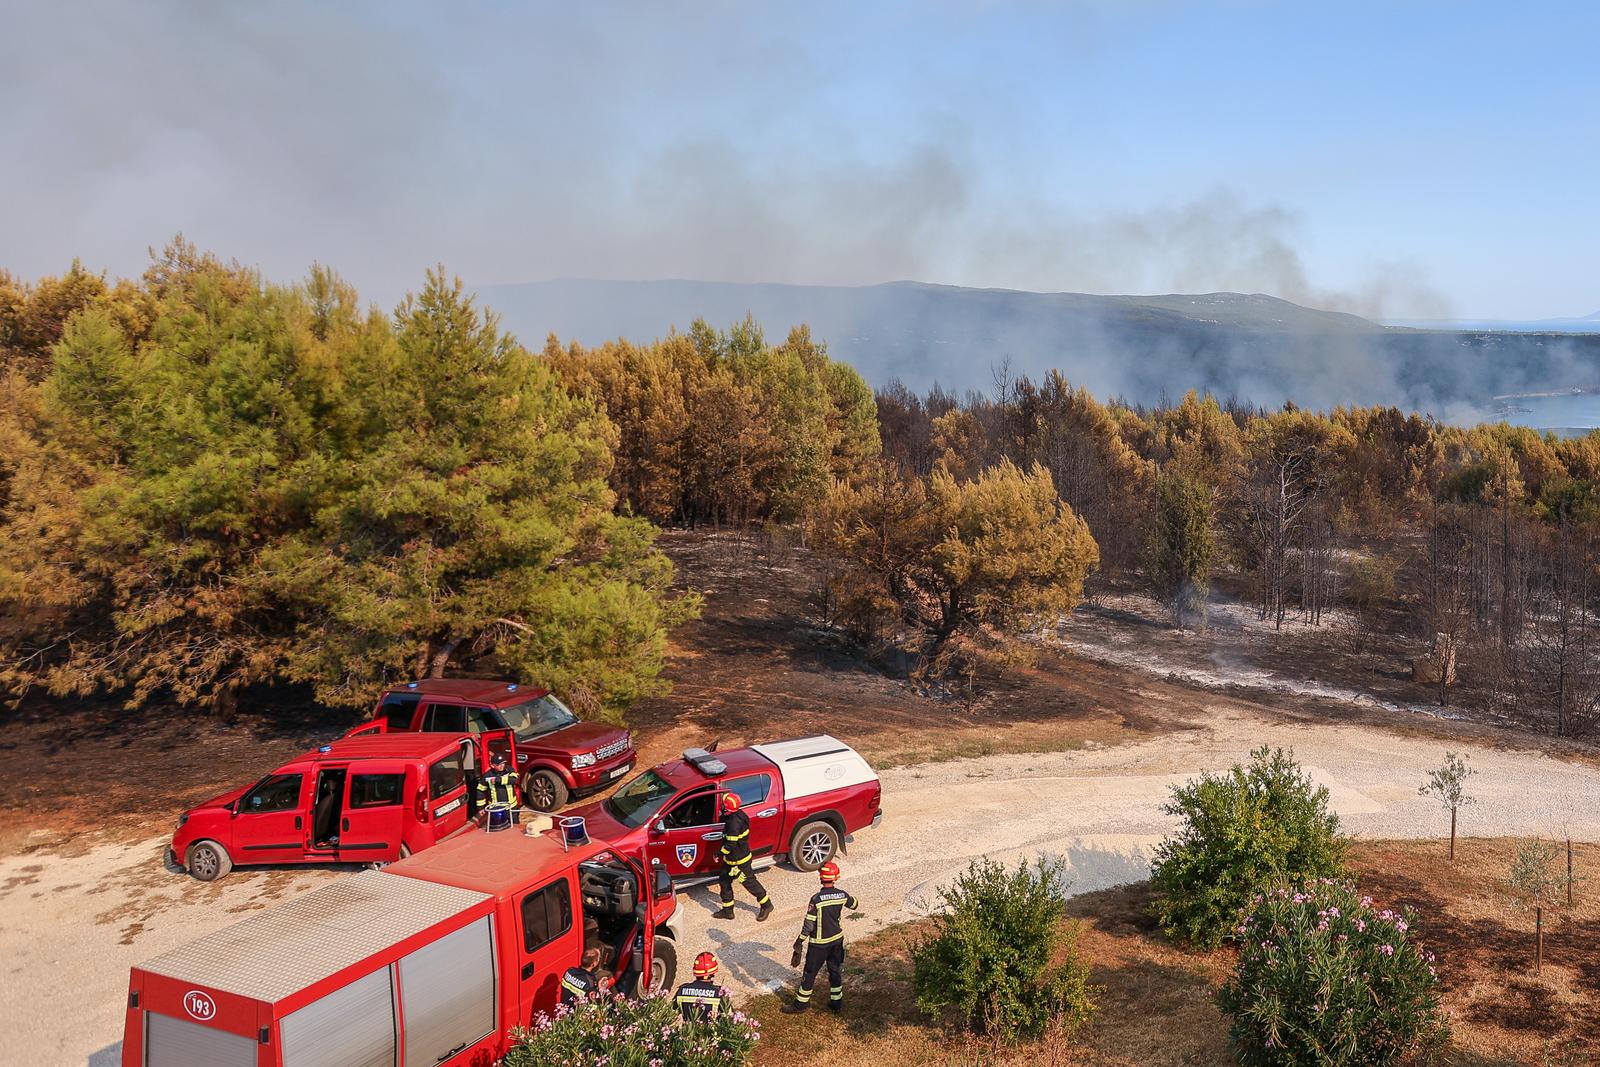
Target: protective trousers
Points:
(730, 873)
(832, 954)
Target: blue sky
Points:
(1402, 159)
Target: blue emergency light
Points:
(325, 748)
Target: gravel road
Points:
(71, 925)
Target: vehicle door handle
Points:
(344, 824)
(766, 813)
(527, 970)
(715, 835)
(297, 822)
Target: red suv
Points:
(557, 756)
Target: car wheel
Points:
(663, 967)
(814, 844)
(208, 861)
(543, 790)
(378, 865)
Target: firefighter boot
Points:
(836, 1006)
(794, 1007)
(724, 913)
(766, 910)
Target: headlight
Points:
(183, 819)
(583, 759)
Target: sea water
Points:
(1562, 412)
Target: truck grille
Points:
(605, 752)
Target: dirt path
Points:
(71, 925)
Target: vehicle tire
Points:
(378, 865)
(814, 844)
(207, 861)
(543, 791)
(663, 967)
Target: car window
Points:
(445, 719)
(376, 790)
(482, 720)
(752, 789)
(400, 709)
(541, 715)
(546, 915)
(695, 811)
(280, 792)
(446, 776)
(637, 802)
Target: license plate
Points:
(620, 771)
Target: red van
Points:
(362, 799)
(432, 962)
(557, 755)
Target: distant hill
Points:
(1141, 347)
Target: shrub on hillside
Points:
(1326, 979)
(613, 1031)
(1252, 829)
(991, 955)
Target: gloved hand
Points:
(799, 947)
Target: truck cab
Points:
(804, 798)
(364, 800)
(557, 756)
(435, 961)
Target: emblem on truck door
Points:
(687, 853)
(199, 1005)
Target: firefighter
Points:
(580, 983)
(821, 941)
(736, 860)
(498, 786)
(702, 999)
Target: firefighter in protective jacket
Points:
(736, 860)
(821, 941)
(580, 983)
(702, 999)
(498, 785)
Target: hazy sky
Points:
(1408, 159)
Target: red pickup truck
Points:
(361, 799)
(803, 797)
(433, 961)
(557, 756)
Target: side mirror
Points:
(663, 882)
(658, 828)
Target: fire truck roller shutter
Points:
(350, 1027)
(447, 993)
(172, 1042)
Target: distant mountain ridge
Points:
(1252, 346)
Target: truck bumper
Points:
(877, 818)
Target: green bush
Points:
(612, 1031)
(991, 953)
(1325, 979)
(1252, 829)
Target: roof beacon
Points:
(704, 762)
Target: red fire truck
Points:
(429, 962)
(557, 755)
(804, 798)
(360, 799)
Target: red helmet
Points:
(730, 802)
(705, 965)
(828, 872)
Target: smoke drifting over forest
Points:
(1256, 348)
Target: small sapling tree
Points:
(1535, 884)
(1448, 785)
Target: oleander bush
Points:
(616, 1031)
(1324, 978)
(1247, 831)
(993, 950)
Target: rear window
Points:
(376, 790)
(446, 776)
(399, 710)
(546, 914)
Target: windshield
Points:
(638, 801)
(539, 716)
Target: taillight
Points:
(422, 805)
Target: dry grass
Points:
(1157, 1007)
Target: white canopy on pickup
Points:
(813, 765)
